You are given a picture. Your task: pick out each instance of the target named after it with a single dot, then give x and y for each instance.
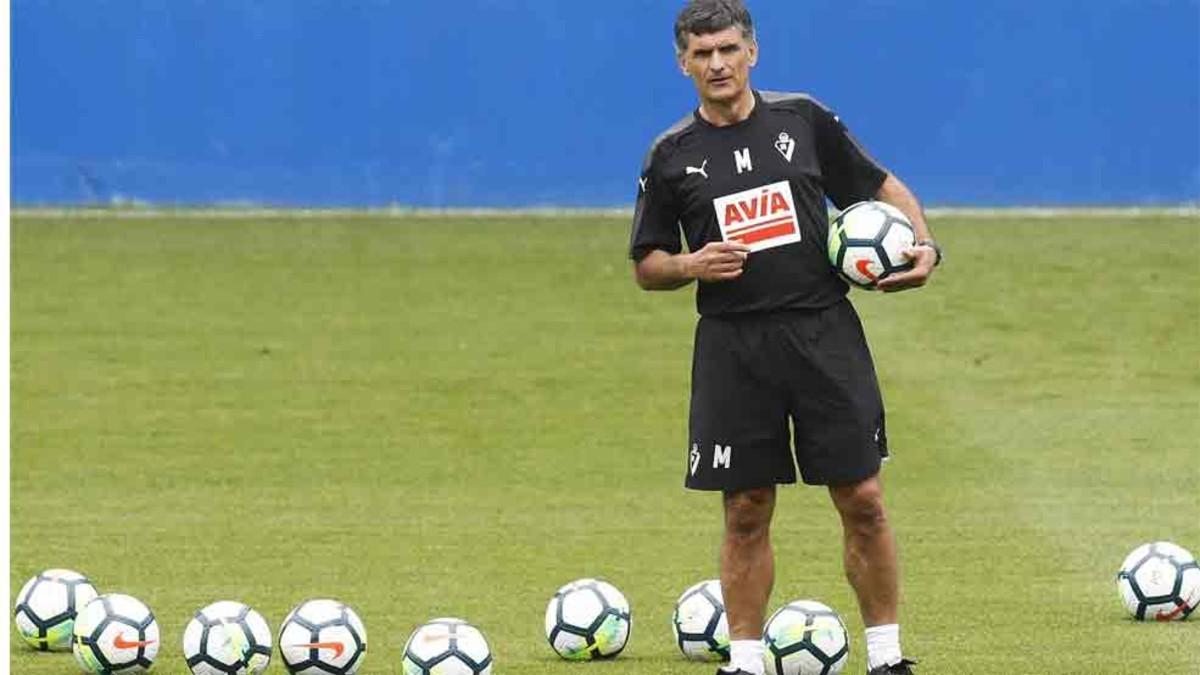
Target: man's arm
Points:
(923, 256)
(717, 261)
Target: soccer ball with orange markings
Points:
(806, 637)
(227, 638)
(47, 605)
(866, 240)
(115, 633)
(447, 647)
(588, 619)
(1159, 581)
(322, 637)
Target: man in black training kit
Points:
(745, 178)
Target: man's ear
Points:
(753, 53)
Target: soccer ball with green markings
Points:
(588, 619)
(46, 608)
(806, 638)
(866, 240)
(227, 638)
(1159, 581)
(116, 633)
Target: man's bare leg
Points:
(747, 572)
(871, 565)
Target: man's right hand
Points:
(718, 261)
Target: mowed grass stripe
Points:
(443, 416)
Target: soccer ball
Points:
(46, 607)
(865, 242)
(322, 637)
(806, 638)
(1161, 581)
(700, 625)
(588, 619)
(115, 632)
(447, 647)
(227, 638)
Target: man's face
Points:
(719, 63)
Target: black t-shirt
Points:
(762, 181)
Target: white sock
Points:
(747, 655)
(883, 645)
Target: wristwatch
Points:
(936, 249)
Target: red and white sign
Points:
(761, 218)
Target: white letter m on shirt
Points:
(741, 158)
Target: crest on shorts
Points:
(694, 458)
(785, 144)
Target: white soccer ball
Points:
(227, 638)
(447, 646)
(1159, 581)
(588, 619)
(866, 240)
(806, 638)
(699, 623)
(46, 607)
(115, 632)
(322, 637)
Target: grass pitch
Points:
(431, 416)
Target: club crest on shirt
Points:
(785, 145)
(761, 218)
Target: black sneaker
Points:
(739, 671)
(901, 668)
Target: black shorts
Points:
(752, 375)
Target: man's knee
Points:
(861, 505)
(748, 512)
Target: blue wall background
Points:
(553, 102)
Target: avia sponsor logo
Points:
(761, 218)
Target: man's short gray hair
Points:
(701, 17)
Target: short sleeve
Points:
(655, 216)
(849, 174)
